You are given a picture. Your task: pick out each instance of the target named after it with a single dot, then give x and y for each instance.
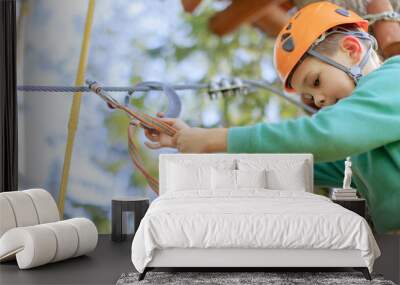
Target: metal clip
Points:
(127, 97)
(213, 90)
(227, 87)
(97, 89)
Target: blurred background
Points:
(131, 41)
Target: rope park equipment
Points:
(146, 121)
(224, 87)
(387, 16)
(214, 91)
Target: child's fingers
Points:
(153, 145)
(151, 131)
(174, 139)
(169, 121)
(160, 114)
(152, 135)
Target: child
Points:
(326, 55)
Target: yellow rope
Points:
(75, 108)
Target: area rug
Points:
(230, 278)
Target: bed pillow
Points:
(285, 174)
(295, 180)
(223, 179)
(251, 178)
(183, 177)
(234, 179)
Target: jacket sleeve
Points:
(365, 120)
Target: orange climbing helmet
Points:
(307, 28)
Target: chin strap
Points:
(355, 72)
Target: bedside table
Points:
(119, 205)
(355, 205)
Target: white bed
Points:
(285, 225)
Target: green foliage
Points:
(223, 59)
(117, 124)
(324, 191)
(97, 216)
(114, 166)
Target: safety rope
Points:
(215, 89)
(129, 89)
(146, 122)
(75, 107)
(264, 85)
(387, 16)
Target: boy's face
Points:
(321, 83)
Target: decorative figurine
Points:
(347, 174)
(346, 192)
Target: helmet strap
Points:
(355, 72)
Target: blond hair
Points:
(330, 45)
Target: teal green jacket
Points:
(364, 126)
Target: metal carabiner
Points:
(97, 89)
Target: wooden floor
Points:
(110, 259)
(102, 266)
(388, 264)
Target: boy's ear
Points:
(352, 47)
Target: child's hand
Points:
(187, 139)
(193, 140)
(163, 140)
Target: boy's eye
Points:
(316, 82)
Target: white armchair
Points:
(31, 230)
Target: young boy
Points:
(326, 55)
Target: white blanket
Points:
(252, 218)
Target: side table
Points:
(356, 205)
(119, 205)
